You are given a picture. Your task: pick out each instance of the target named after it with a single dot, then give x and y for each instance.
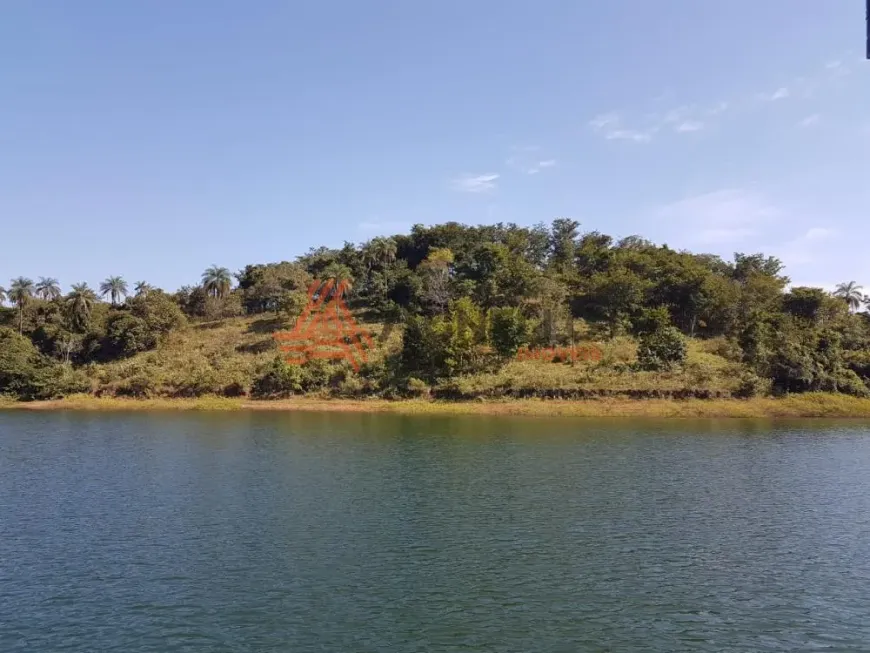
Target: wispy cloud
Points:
(609, 125)
(528, 160)
(680, 120)
(688, 118)
(690, 126)
(809, 121)
(541, 165)
(779, 94)
(718, 217)
(476, 183)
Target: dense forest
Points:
(464, 300)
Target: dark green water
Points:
(347, 533)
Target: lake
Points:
(347, 533)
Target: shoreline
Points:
(805, 405)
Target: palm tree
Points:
(115, 287)
(379, 251)
(850, 292)
(340, 276)
(47, 288)
(78, 303)
(142, 288)
(20, 292)
(217, 281)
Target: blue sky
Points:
(152, 139)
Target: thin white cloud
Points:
(603, 120)
(476, 183)
(609, 125)
(629, 135)
(528, 160)
(809, 121)
(779, 94)
(679, 120)
(540, 165)
(687, 118)
(719, 217)
(690, 126)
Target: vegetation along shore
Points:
(493, 319)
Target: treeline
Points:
(468, 299)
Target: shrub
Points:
(417, 387)
(126, 335)
(509, 331)
(27, 374)
(752, 385)
(278, 380)
(662, 349)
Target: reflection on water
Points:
(344, 532)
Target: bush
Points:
(417, 387)
(278, 380)
(851, 384)
(26, 374)
(509, 331)
(126, 335)
(662, 349)
(752, 385)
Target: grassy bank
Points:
(805, 405)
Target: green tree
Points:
(850, 292)
(509, 330)
(618, 295)
(114, 288)
(2, 295)
(379, 253)
(48, 288)
(563, 243)
(340, 276)
(24, 372)
(274, 287)
(79, 304)
(217, 281)
(160, 313)
(142, 288)
(661, 349)
(126, 335)
(435, 274)
(20, 293)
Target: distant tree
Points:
(20, 293)
(435, 272)
(2, 295)
(661, 349)
(340, 276)
(79, 302)
(114, 288)
(217, 281)
(48, 288)
(142, 288)
(563, 243)
(509, 330)
(379, 253)
(850, 292)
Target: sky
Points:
(151, 139)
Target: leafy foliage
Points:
(469, 298)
